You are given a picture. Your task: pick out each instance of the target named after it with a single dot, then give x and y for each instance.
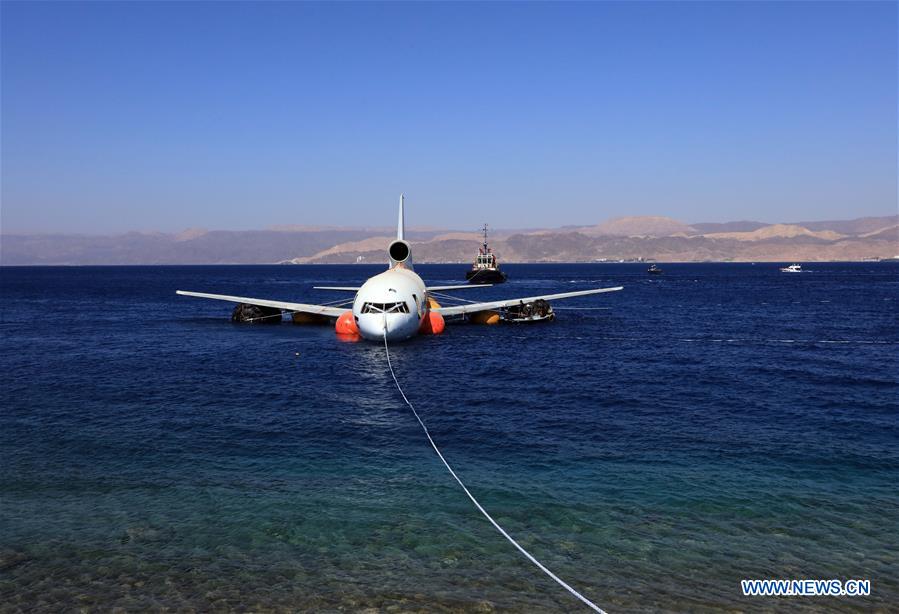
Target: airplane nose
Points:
(373, 327)
(392, 327)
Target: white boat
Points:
(535, 311)
(793, 268)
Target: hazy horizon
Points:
(161, 117)
(387, 228)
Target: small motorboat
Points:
(526, 313)
(654, 270)
(793, 268)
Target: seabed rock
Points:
(12, 558)
(255, 314)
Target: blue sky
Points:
(163, 116)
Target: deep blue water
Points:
(722, 422)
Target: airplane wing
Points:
(462, 287)
(341, 288)
(331, 312)
(474, 307)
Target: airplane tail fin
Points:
(399, 251)
(401, 223)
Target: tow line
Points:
(521, 549)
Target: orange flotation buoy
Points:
(484, 317)
(432, 324)
(301, 317)
(346, 324)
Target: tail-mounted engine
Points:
(400, 253)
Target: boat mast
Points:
(485, 239)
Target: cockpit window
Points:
(385, 308)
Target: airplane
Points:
(396, 304)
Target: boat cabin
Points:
(485, 260)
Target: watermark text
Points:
(806, 588)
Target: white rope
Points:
(450, 297)
(542, 567)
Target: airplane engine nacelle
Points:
(346, 324)
(399, 252)
(432, 324)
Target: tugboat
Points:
(654, 270)
(485, 269)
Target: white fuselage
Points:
(393, 303)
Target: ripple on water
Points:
(652, 454)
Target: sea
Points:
(652, 447)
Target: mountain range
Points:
(626, 238)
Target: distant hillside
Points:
(189, 247)
(862, 225)
(776, 231)
(654, 238)
(648, 237)
(743, 226)
(857, 226)
(890, 233)
(639, 226)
